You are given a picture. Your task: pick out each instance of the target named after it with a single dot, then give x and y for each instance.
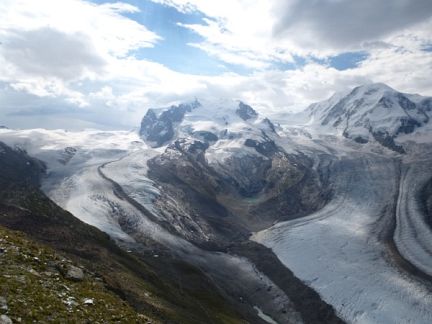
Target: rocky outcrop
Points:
(245, 112)
(225, 200)
(425, 198)
(159, 129)
(388, 141)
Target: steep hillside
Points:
(37, 285)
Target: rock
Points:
(88, 301)
(74, 273)
(70, 302)
(4, 319)
(3, 303)
(34, 272)
(159, 129)
(21, 279)
(245, 112)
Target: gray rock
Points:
(4, 319)
(88, 301)
(3, 303)
(245, 112)
(159, 129)
(74, 273)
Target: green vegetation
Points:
(33, 284)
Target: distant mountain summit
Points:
(373, 111)
(204, 120)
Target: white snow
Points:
(76, 185)
(374, 106)
(220, 118)
(264, 317)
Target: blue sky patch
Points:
(427, 48)
(347, 60)
(176, 53)
(173, 51)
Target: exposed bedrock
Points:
(230, 198)
(426, 201)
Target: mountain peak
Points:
(372, 111)
(204, 119)
(377, 86)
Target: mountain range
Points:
(212, 212)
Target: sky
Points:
(79, 64)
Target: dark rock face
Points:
(266, 148)
(388, 141)
(206, 136)
(425, 198)
(17, 168)
(160, 129)
(246, 174)
(426, 104)
(360, 140)
(225, 200)
(245, 112)
(407, 125)
(270, 125)
(405, 103)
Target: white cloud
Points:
(345, 25)
(49, 53)
(237, 32)
(46, 45)
(76, 58)
(271, 30)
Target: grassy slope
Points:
(35, 290)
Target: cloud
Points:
(47, 45)
(236, 32)
(51, 53)
(76, 60)
(347, 24)
(275, 30)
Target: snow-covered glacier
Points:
(340, 250)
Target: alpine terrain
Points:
(212, 212)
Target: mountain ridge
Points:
(372, 112)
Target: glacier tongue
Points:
(337, 250)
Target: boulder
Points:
(74, 273)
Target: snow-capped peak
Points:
(372, 111)
(205, 119)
